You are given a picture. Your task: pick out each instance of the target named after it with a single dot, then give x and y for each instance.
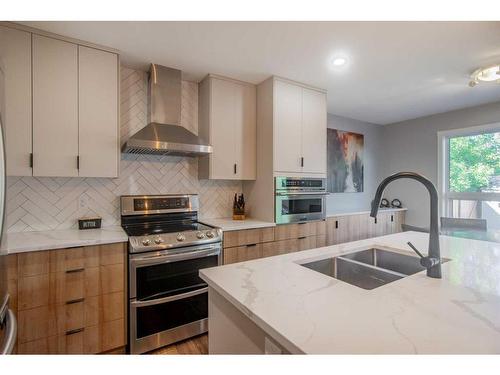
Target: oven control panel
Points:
(170, 240)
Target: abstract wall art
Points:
(345, 161)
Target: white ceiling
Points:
(396, 70)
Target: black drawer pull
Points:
(73, 331)
(75, 270)
(392, 218)
(301, 238)
(302, 223)
(70, 302)
(375, 220)
(336, 224)
(252, 245)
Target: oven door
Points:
(292, 208)
(168, 299)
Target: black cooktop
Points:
(146, 229)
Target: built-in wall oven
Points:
(299, 199)
(168, 301)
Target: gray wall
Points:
(412, 146)
(373, 165)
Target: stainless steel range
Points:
(168, 301)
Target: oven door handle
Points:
(292, 193)
(168, 299)
(159, 259)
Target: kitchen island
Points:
(276, 305)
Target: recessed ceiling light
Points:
(339, 61)
(490, 74)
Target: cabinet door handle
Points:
(31, 160)
(70, 302)
(235, 168)
(302, 161)
(73, 331)
(75, 270)
(392, 218)
(78, 162)
(252, 245)
(336, 224)
(301, 238)
(375, 220)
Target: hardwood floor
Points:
(195, 345)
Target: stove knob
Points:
(146, 242)
(158, 240)
(180, 237)
(200, 235)
(210, 234)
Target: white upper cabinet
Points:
(98, 113)
(299, 122)
(287, 127)
(314, 125)
(55, 107)
(61, 99)
(227, 119)
(15, 62)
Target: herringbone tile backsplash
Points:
(44, 203)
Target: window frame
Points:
(445, 194)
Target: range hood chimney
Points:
(163, 135)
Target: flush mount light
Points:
(339, 61)
(489, 74)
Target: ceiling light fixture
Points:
(489, 74)
(339, 61)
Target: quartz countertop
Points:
(308, 312)
(228, 224)
(58, 239)
(347, 213)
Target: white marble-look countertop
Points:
(59, 239)
(228, 224)
(347, 213)
(308, 312)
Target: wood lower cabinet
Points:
(341, 229)
(248, 237)
(70, 300)
(242, 253)
(244, 245)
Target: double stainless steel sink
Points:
(369, 268)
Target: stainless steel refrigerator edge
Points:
(8, 324)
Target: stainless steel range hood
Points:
(164, 135)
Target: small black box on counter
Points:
(89, 222)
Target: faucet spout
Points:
(433, 259)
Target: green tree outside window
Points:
(474, 162)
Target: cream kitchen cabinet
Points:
(98, 113)
(15, 62)
(61, 105)
(227, 119)
(55, 107)
(299, 129)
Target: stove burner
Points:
(157, 223)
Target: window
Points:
(470, 173)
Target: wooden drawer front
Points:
(321, 241)
(242, 253)
(89, 340)
(311, 242)
(291, 231)
(279, 247)
(70, 300)
(248, 236)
